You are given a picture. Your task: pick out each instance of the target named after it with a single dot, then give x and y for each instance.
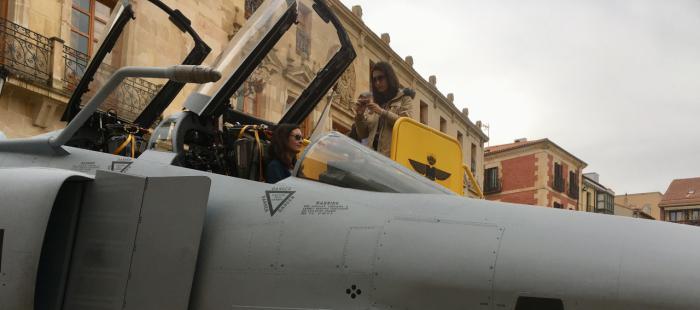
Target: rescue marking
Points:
(323, 208)
(277, 199)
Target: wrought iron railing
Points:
(133, 95)
(25, 53)
(75, 64)
(130, 97)
(128, 100)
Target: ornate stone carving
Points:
(255, 83)
(251, 6)
(345, 88)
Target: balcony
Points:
(25, 54)
(50, 64)
(75, 63)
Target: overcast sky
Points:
(616, 83)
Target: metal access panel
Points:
(137, 242)
(436, 264)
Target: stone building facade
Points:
(647, 203)
(58, 37)
(535, 172)
(596, 197)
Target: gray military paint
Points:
(401, 250)
(2, 238)
(391, 251)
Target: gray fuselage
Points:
(300, 244)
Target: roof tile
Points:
(510, 146)
(682, 192)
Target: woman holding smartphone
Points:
(376, 114)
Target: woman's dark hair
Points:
(391, 80)
(278, 146)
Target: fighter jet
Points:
(182, 226)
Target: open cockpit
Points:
(225, 126)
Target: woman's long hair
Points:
(391, 80)
(278, 146)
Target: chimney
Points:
(520, 140)
(433, 80)
(465, 111)
(593, 176)
(409, 60)
(357, 10)
(451, 98)
(386, 38)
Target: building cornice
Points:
(543, 144)
(640, 194)
(679, 204)
(597, 186)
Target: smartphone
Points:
(364, 98)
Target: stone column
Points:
(57, 64)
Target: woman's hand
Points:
(375, 108)
(361, 106)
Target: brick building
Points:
(536, 172)
(681, 202)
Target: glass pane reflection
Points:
(338, 160)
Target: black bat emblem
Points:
(429, 170)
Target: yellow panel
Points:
(428, 152)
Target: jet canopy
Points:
(135, 36)
(338, 160)
(278, 66)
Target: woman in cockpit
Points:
(286, 143)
